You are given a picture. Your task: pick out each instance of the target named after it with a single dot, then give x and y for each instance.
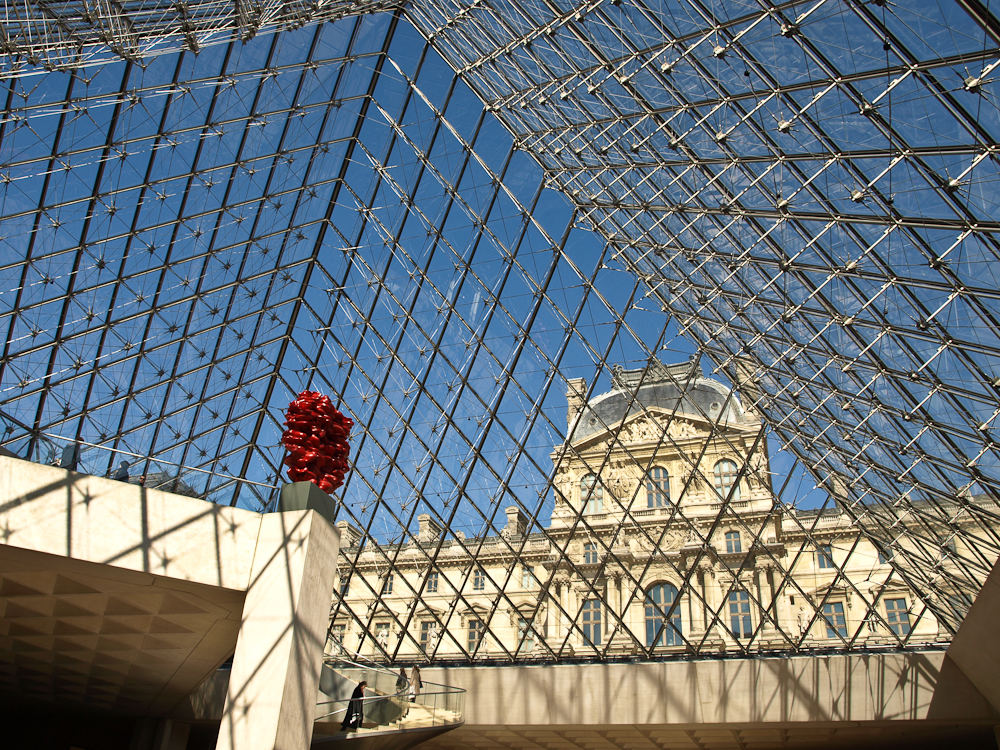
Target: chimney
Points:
(576, 393)
(429, 529)
(349, 535)
(517, 522)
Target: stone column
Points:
(706, 595)
(561, 586)
(576, 394)
(573, 612)
(630, 597)
(271, 699)
(762, 618)
(712, 594)
(616, 580)
(692, 626)
(769, 574)
(721, 605)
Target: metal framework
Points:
(68, 35)
(443, 213)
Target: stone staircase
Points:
(388, 713)
(415, 716)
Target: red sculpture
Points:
(316, 441)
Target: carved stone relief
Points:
(693, 479)
(625, 476)
(673, 540)
(639, 545)
(757, 470)
(641, 431)
(682, 429)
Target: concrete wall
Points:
(48, 509)
(976, 647)
(800, 689)
(153, 578)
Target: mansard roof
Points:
(678, 389)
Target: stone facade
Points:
(680, 546)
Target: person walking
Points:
(415, 683)
(122, 474)
(401, 681)
(355, 709)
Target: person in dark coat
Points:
(355, 709)
(401, 681)
(122, 474)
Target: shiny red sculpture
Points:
(316, 441)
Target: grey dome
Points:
(678, 389)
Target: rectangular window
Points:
(525, 636)
(590, 554)
(593, 494)
(739, 614)
(387, 584)
(527, 577)
(836, 623)
(476, 631)
(479, 580)
(657, 488)
(824, 556)
(345, 586)
(591, 618)
(733, 543)
(432, 583)
(897, 616)
(884, 556)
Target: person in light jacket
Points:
(415, 683)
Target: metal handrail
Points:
(373, 699)
(364, 662)
(444, 704)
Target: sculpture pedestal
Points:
(271, 700)
(306, 496)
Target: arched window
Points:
(592, 493)
(726, 472)
(659, 630)
(657, 488)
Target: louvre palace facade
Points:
(755, 243)
(663, 486)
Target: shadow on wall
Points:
(139, 595)
(833, 688)
(954, 694)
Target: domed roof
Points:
(679, 389)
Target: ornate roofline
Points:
(654, 372)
